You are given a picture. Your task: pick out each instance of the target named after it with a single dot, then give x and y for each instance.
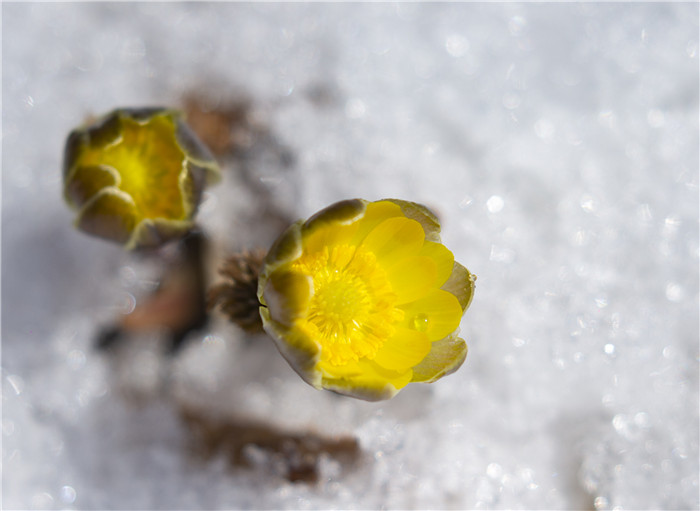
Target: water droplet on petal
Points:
(420, 322)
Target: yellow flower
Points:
(136, 176)
(363, 298)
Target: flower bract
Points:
(136, 176)
(363, 298)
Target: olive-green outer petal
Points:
(342, 213)
(87, 181)
(284, 250)
(359, 389)
(109, 214)
(301, 353)
(153, 233)
(75, 141)
(192, 181)
(461, 284)
(287, 295)
(445, 357)
(420, 213)
(197, 153)
(145, 114)
(106, 131)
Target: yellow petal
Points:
(328, 236)
(348, 370)
(394, 239)
(438, 314)
(145, 155)
(403, 350)
(443, 258)
(375, 213)
(412, 277)
(287, 296)
(110, 214)
(461, 283)
(445, 357)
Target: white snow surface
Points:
(557, 142)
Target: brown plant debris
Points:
(295, 455)
(237, 296)
(225, 129)
(178, 305)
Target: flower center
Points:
(149, 163)
(342, 298)
(352, 311)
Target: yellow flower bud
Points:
(136, 176)
(363, 298)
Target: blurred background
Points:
(557, 142)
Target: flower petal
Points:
(143, 114)
(461, 284)
(75, 143)
(375, 214)
(437, 314)
(107, 130)
(196, 151)
(348, 370)
(372, 385)
(299, 350)
(343, 213)
(285, 249)
(333, 225)
(287, 296)
(153, 233)
(412, 277)
(443, 258)
(394, 239)
(85, 181)
(191, 184)
(110, 214)
(428, 220)
(445, 357)
(403, 350)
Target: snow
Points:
(557, 142)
